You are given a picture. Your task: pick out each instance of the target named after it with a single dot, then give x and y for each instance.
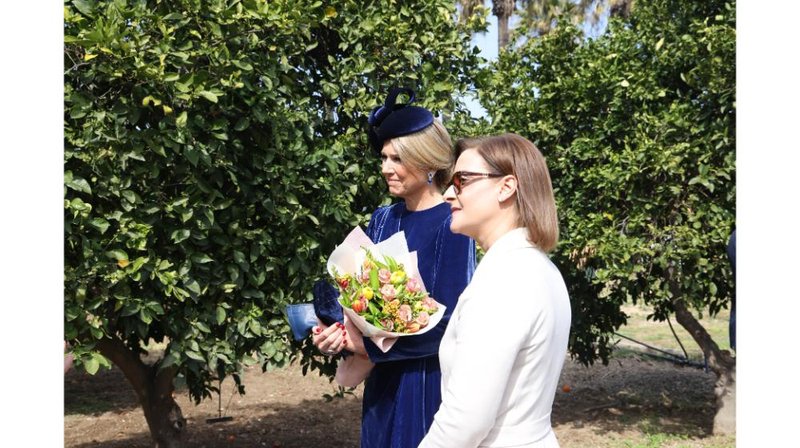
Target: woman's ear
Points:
(508, 187)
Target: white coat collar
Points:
(513, 239)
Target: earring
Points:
(430, 177)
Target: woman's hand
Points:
(330, 340)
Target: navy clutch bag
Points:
(303, 316)
(301, 319)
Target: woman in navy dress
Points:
(403, 390)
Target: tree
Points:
(638, 126)
(503, 10)
(214, 155)
(538, 17)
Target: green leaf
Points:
(85, 6)
(170, 359)
(180, 235)
(242, 124)
(373, 279)
(252, 294)
(243, 65)
(117, 254)
(201, 258)
(79, 184)
(129, 309)
(269, 349)
(92, 365)
(145, 316)
(220, 315)
(180, 121)
(99, 224)
(192, 155)
(193, 286)
(208, 95)
(194, 355)
(129, 196)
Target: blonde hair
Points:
(430, 149)
(536, 205)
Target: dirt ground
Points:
(634, 401)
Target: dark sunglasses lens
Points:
(457, 183)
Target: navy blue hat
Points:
(393, 120)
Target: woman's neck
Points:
(497, 226)
(427, 198)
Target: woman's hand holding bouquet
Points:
(381, 290)
(382, 296)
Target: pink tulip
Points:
(388, 292)
(404, 313)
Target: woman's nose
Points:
(450, 193)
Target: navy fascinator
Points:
(393, 120)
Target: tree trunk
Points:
(154, 389)
(719, 361)
(725, 390)
(503, 9)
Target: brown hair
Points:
(430, 149)
(519, 157)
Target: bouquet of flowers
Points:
(384, 295)
(381, 290)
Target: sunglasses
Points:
(460, 178)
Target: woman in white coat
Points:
(503, 350)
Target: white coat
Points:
(503, 350)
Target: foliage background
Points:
(215, 153)
(639, 129)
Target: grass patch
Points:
(663, 440)
(659, 334)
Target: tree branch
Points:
(127, 361)
(720, 361)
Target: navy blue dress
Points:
(403, 391)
